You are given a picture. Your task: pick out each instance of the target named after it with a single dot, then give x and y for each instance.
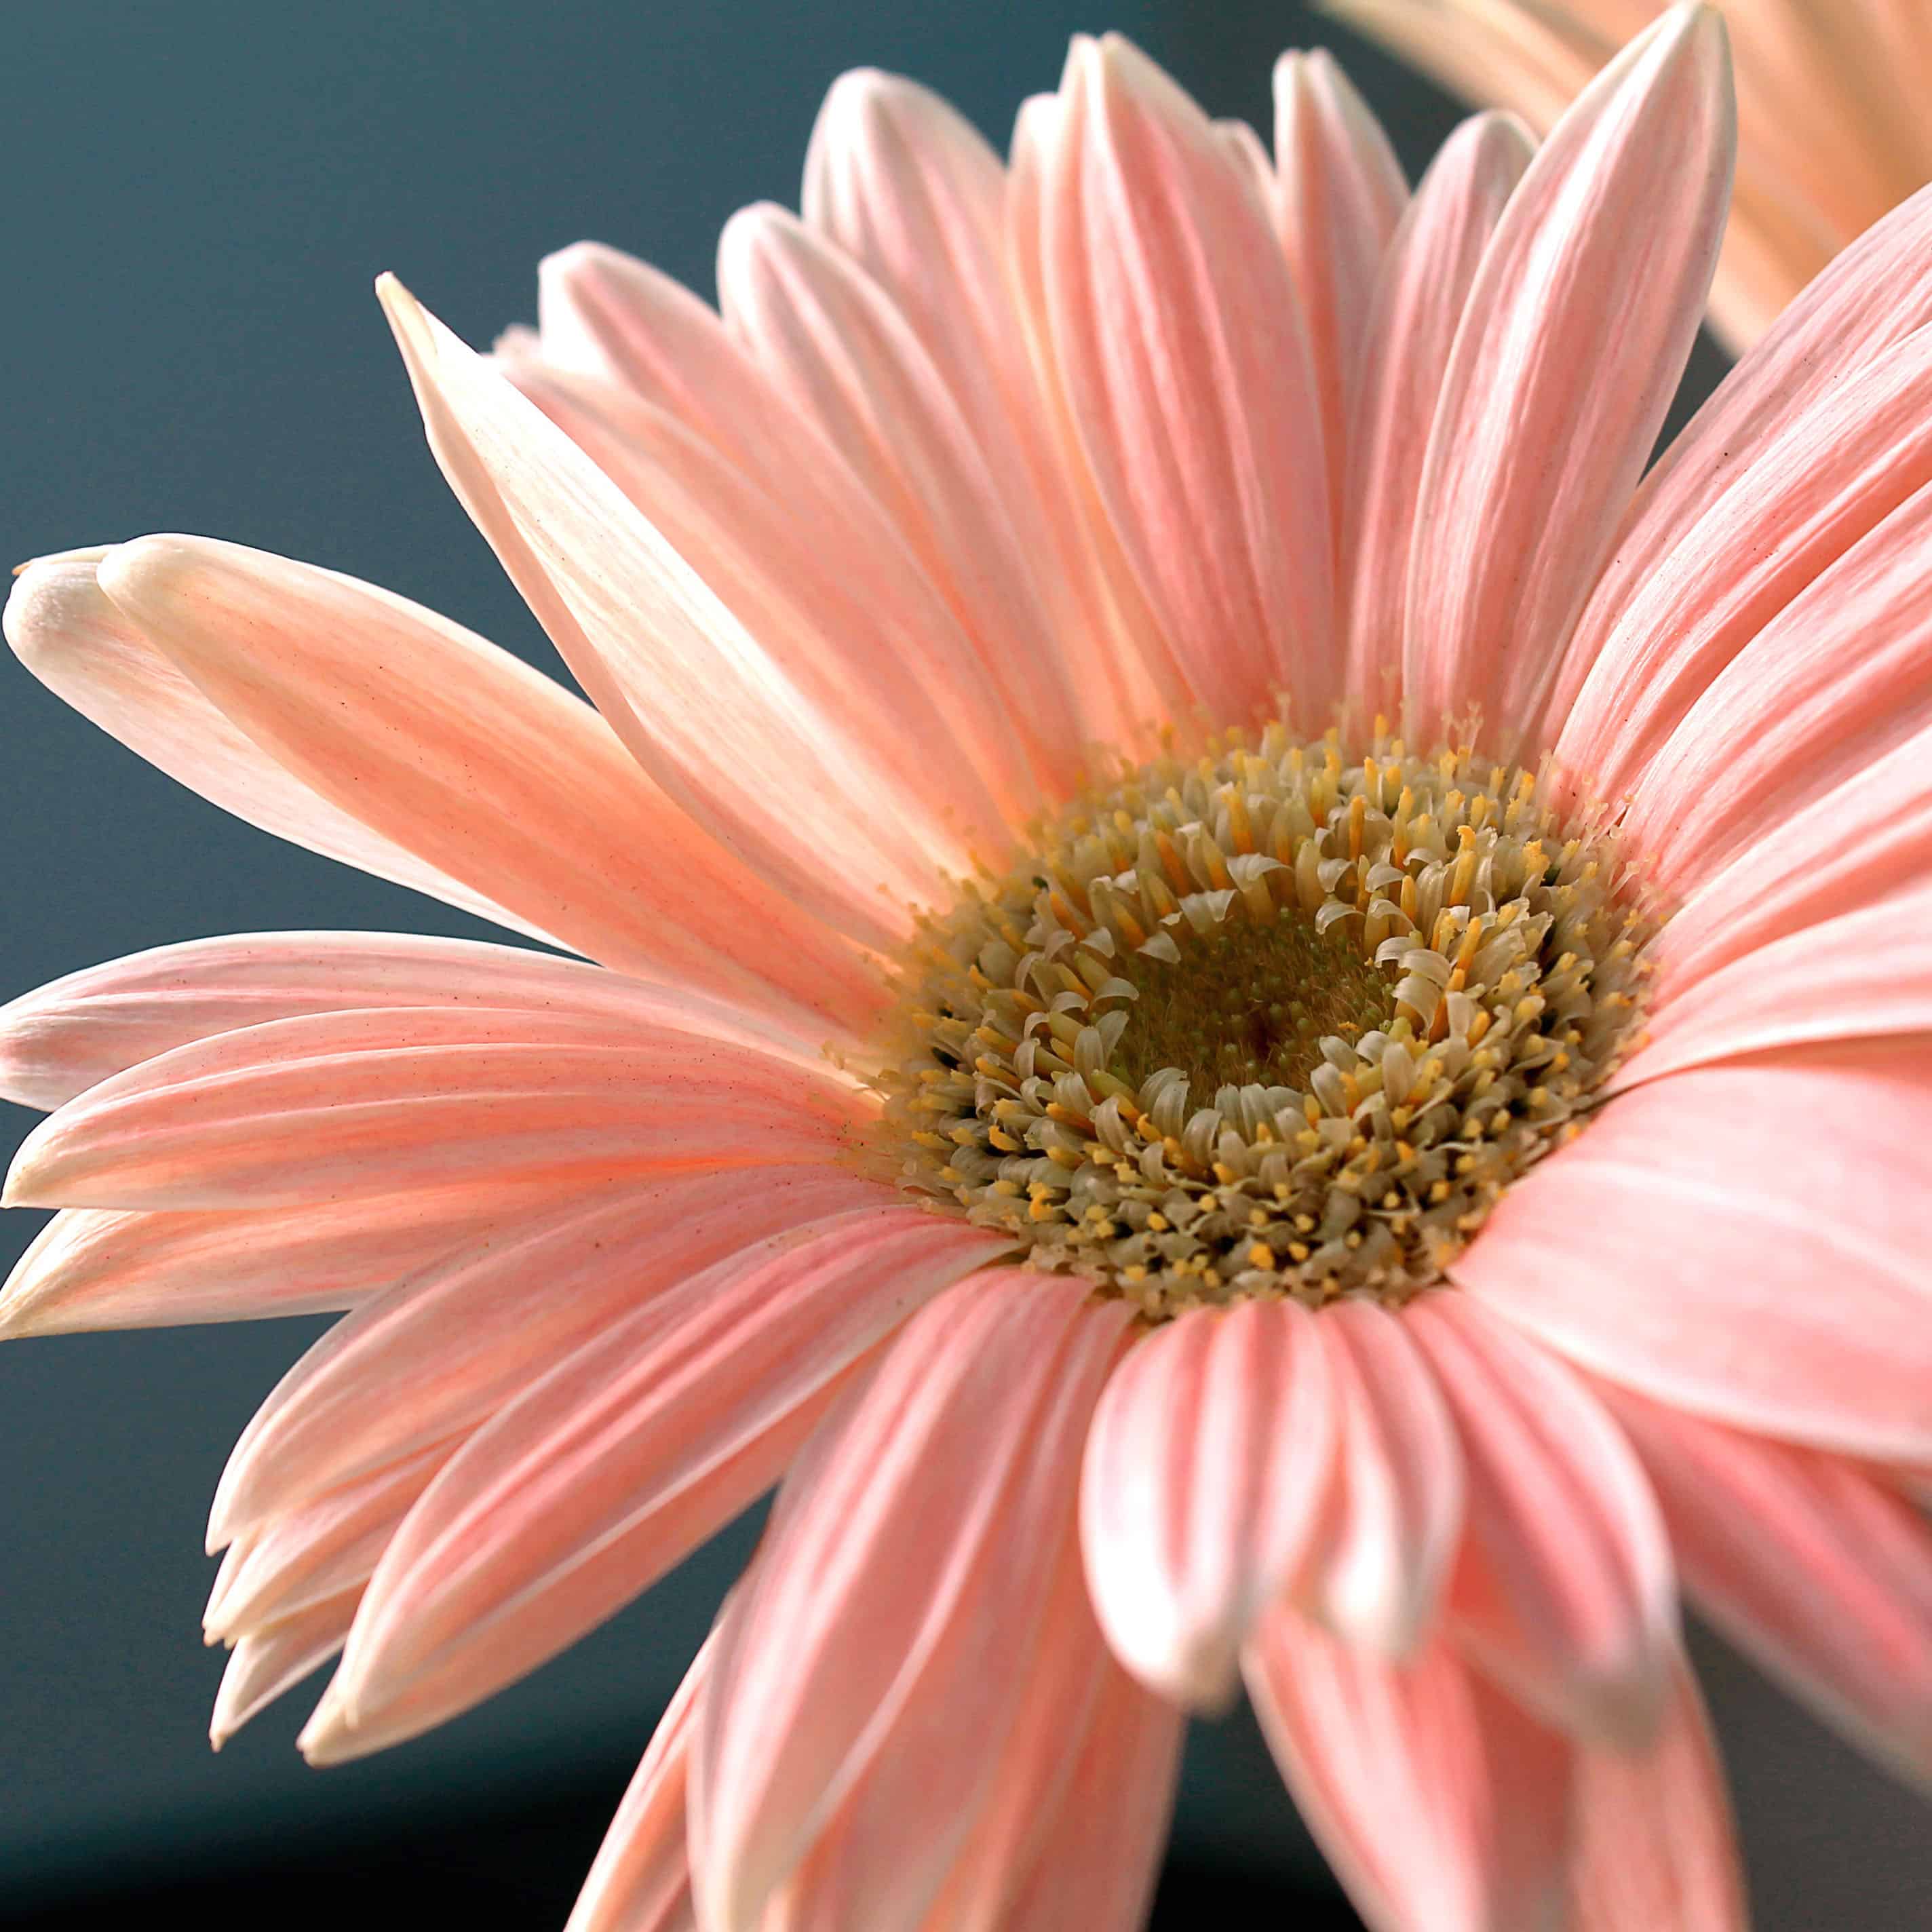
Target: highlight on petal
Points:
(1339, 195)
(1444, 1806)
(1564, 1589)
(1601, 261)
(900, 1572)
(683, 682)
(1211, 1455)
(640, 1880)
(275, 1658)
(1655, 1843)
(1175, 328)
(444, 1349)
(1813, 1564)
(361, 1105)
(1429, 267)
(1395, 1521)
(621, 1458)
(1709, 1281)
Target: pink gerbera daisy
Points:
(1253, 1017)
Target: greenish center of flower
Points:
(1279, 1020)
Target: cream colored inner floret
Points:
(1279, 1020)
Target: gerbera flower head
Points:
(1831, 134)
(1256, 1014)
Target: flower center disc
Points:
(1278, 1021)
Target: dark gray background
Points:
(197, 198)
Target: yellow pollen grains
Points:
(1277, 1021)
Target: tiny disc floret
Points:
(1276, 1020)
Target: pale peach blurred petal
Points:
(1529, 472)
(1383, 1557)
(1481, 1789)
(1565, 1587)
(1209, 1462)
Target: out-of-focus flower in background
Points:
(1833, 129)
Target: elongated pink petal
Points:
(703, 708)
(1837, 679)
(1846, 849)
(453, 1344)
(63, 627)
(1871, 296)
(1174, 326)
(1429, 267)
(1070, 1676)
(93, 1268)
(1125, 670)
(64, 1037)
(640, 1880)
(1340, 194)
(1864, 975)
(1211, 1454)
(829, 589)
(1443, 1805)
(1397, 1515)
(276, 1658)
(1820, 1571)
(618, 1461)
(1835, 474)
(899, 1573)
(1102, 1848)
(1564, 1587)
(1669, 1248)
(1529, 471)
(1655, 1846)
(367, 1104)
(836, 343)
(313, 1552)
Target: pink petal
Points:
(618, 1461)
(91, 1268)
(910, 191)
(315, 1551)
(701, 705)
(900, 1571)
(640, 1880)
(1866, 975)
(1442, 1804)
(1601, 261)
(1341, 193)
(1655, 1846)
(339, 1105)
(1744, 1242)
(1821, 1572)
(1835, 855)
(1834, 475)
(1211, 1455)
(276, 1658)
(453, 1343)
(1430, 267)
(1874, 295)
(1564, 1589)
(1103, 1843)
(64, 1037)
(1397, 1516)
(63, 627)
(1174, 327)
(1836, 680)
(834, 343)
(821, 578)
